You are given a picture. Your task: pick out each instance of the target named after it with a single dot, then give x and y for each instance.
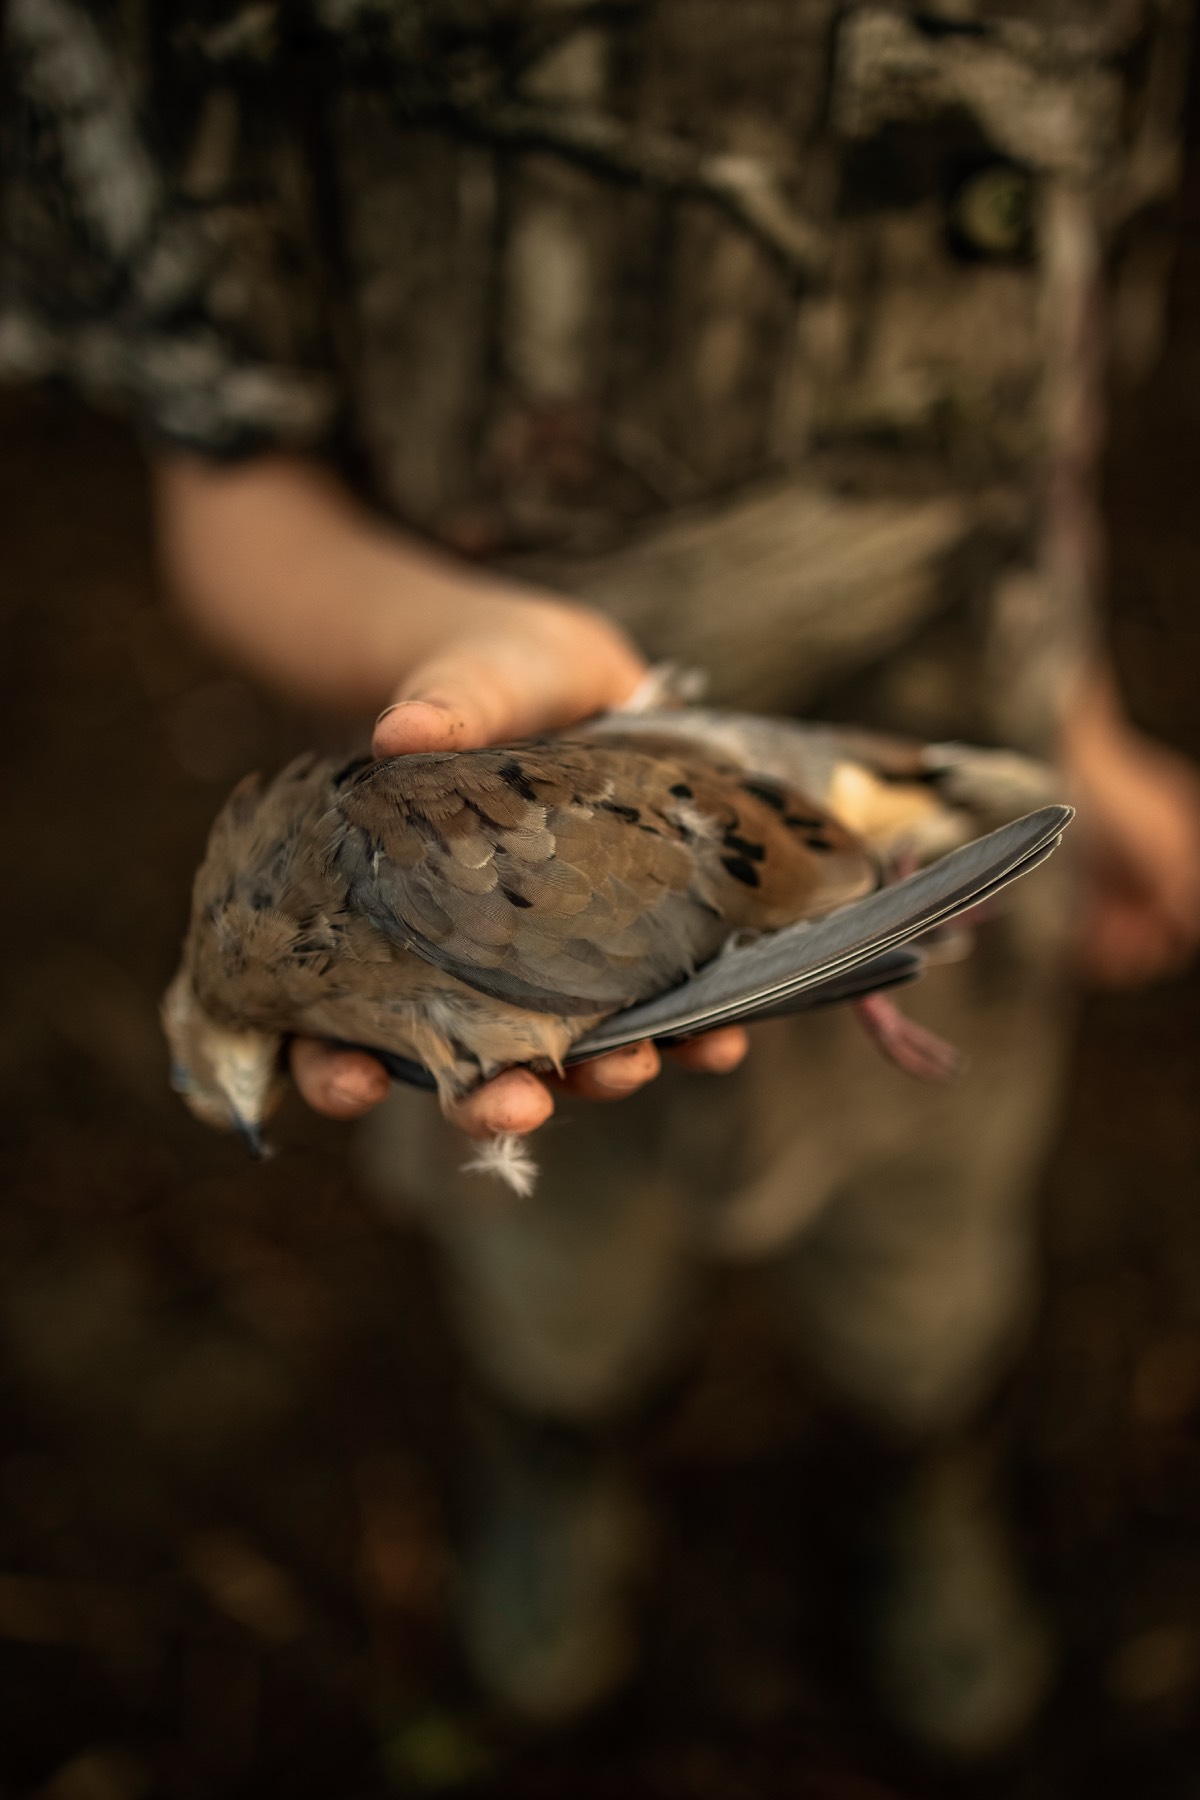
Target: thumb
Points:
(540, 668)
(447, 714)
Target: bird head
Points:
(229, 1078)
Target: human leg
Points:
(572, 1309)
(911, 1294)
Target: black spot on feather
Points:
(314, 950)
(768, 795)
(355, 766)
(816, 841)
(805, 822)
(682, 791)
(741, 870)
(743, 846)
(905, 777)
(628, 813)
(516, 899)
(514, 777)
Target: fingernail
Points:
(636, 1065)
(346, 1093)
(360, 1089)
(399, 706)
(612, 1081)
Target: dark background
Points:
(224, 1458)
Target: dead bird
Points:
(649, 875)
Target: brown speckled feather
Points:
(477, 909)
(581, 876)
(466, 912)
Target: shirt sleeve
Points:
(158, 250)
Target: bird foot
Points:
(910, 1046)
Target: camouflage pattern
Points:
(774, 328)
(241, 247)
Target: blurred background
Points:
(224, 1457)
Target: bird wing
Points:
(892, 968)
(858, 950)
(574, 877)
(813, 961)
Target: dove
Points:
(649, 875)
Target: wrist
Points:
(1095, 724)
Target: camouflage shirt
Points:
(775, 327)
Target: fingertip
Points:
(613, 1076)
(515, 1101)
(716, 1052)
(341, 1084)
(624, 1071)
(411, 726)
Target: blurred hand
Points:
(1139, 816)
(536, 665)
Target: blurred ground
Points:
(224, 1463)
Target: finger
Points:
(515, 1101)
(342, 1084)
(1181, 907)
(615, 1075)
(544, 666)
(447, 721)
(1123, 945)
(714, 1052)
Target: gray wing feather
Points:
(895, 968)
(789, 969)
(855, 951)
(892, 969)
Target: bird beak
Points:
(251, 1135)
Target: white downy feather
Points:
(506, 1157)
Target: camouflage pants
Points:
(895, 1220)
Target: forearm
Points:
(1094, 713)
(281, 569)
(278, 566)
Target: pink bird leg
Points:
(910, 1046)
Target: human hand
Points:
(281, 569)
(1139, 818)
(509, 667)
